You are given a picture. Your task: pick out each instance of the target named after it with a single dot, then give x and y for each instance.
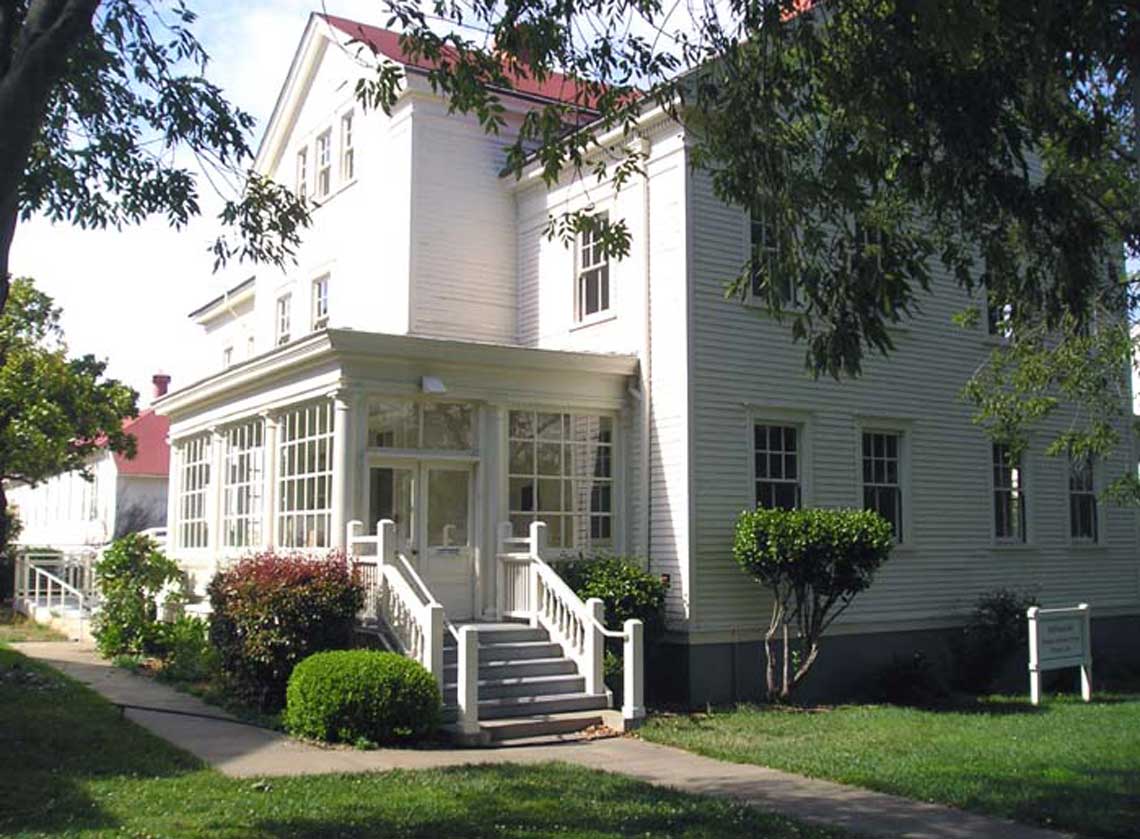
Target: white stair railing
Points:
(579, 627)
(395, 595)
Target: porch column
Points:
(269, 480)
(342, 466)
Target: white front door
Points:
(431, 504)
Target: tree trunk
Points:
(33, 62)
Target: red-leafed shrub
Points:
(272, 611)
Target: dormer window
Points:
(320, 302)
(303, 173)
(284, 318)
(593, 286)
(347, 158)
(324, 163)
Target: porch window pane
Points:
(304, 514)
(393, 425)
(561, 472)
(242, 486)
(448, 425)
(403, 424)
(194, 480)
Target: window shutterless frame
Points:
(882, 461)
(592, 287)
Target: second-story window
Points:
(227, 357)
(593, 285)
(324, 163)
(303, 173)
(284, 318)
(320, 302)
(764, 241)
(347, 156)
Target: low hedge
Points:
(271, 612)
(352, 695)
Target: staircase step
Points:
(525, 686)
(500, 634)
(516, 669)
(519, 651)
(539, 725)
(521, 706)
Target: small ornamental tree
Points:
(130, 575)
(813, 562)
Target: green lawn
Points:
(1066, 764)
(72, 767)
(16, 627)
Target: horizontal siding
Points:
(463, 235)
(746, 364)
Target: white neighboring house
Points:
(67, 511)
(435, 361)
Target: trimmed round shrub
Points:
(351, 695)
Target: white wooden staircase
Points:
(537, 674)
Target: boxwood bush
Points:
(272, 611)
(350, 696)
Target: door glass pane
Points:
(447, 507)
(391, 497)
(393, 425)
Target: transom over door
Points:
(431, 504)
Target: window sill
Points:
(1015, 546)
(593, 320)
(1091, 547)
(318, 203)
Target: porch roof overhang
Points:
(340, 359)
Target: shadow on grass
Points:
(56, 736)
(537, 800)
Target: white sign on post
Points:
(1059, 638)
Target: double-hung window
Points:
(1082, 501)
(324, 163)
(320, 305)
(1009, 495)
(227, 357)
(593, 284)
(347, 153)
(303, 173)
(777, 453)
(999, 319)
(284, 318)
(765, 251)
(882, 477)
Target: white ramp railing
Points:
(530, 588)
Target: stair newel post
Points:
(433, 642)
(633, 687)
(351, 532)
(505, 533)
(537, 547)
(467, 687)
(594, 646)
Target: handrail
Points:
(425, 593)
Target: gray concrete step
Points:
(519, 706)
(525, 686)
(539, 725)
(519, 651)
(516, 669)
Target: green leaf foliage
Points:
(831, 553)
(271, 611)
(130, 575)
(56, 412)
(346, 696)
(627, 590)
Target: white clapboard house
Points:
(435, 361)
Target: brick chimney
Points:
(161, 384)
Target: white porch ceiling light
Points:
(432, 384)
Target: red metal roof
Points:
(153, 454)
(556, 87)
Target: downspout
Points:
(646, 377)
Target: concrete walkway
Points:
(241, 751)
